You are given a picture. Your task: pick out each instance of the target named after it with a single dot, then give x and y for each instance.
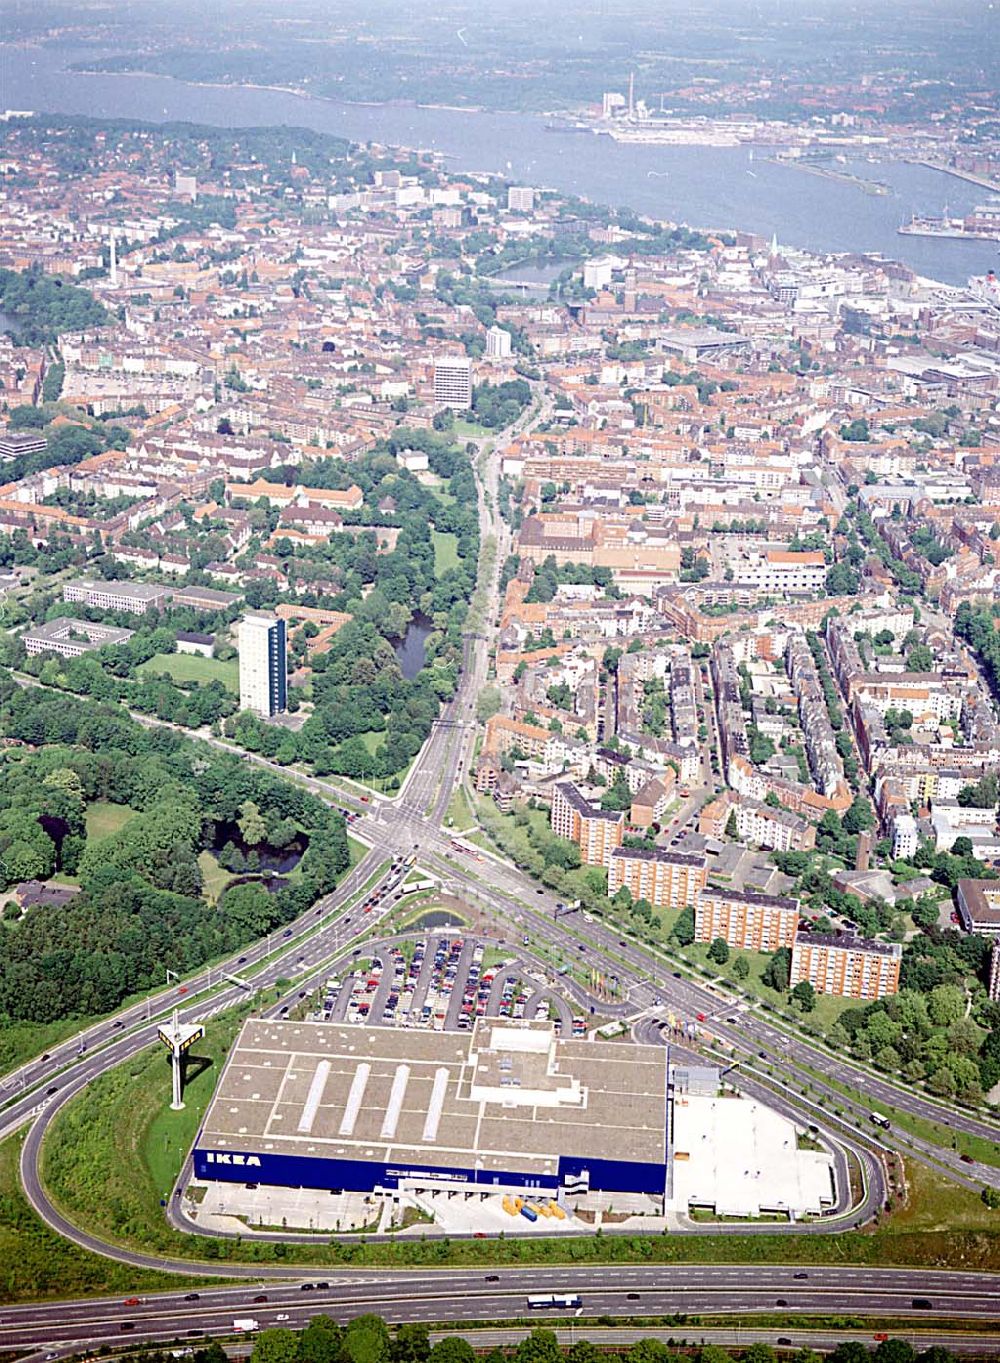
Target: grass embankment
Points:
(187, 668)
(36, 1263)
(20, 1041)
(114, 1151)
(460, 812)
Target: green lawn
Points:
(460, 811)
(214, 877)
(103, 818)
(470, 430)
(372, 738)
(192, 667)
(828, 1008)
(445, 551)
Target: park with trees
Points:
(141, 903)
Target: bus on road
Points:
(559, 1303)
(879, 1120)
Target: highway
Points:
(649, 988)
(436, 1295)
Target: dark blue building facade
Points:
(312, 1171)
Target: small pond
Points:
(411, 650)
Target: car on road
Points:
(307, 1287)
(492, 1278)
(781, 1302)
(783, 1339)
(922, 1304)
(127, 1325)
(282, 1315)
(241, 961)
(131, 1301)
(631, 1296)
(800, 1275)
(287, 932)
(193, 1296)
(966, 1159)
(258, 1300)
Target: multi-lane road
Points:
(650, 987)
(446, 1294)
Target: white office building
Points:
(498, 344)
(521, 199)
(263, 668)
(453, 381)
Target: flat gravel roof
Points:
(502, 1096)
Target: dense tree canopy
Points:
(140, 906)
(42, 306)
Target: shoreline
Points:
(969, 176)
(412, 139)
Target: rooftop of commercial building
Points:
(502, 1097)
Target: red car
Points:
(131, 1301)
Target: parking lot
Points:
(438, 982)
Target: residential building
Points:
(667, 880)
(651, 800)
(263, 667)
(766, 826)
(498, 344)
(905, 836)
(453, 381)
(521, 199)
(850, 967)
(506, 735)
(597, 832)
(747, 921)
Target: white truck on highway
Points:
(245, 1325)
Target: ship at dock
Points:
(982, 224)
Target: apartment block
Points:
(597, 832)
(667, 880)
(766, 826)
(453, 381)
(747, 921)
(850, 967)
(263, 668)
(504, 735)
